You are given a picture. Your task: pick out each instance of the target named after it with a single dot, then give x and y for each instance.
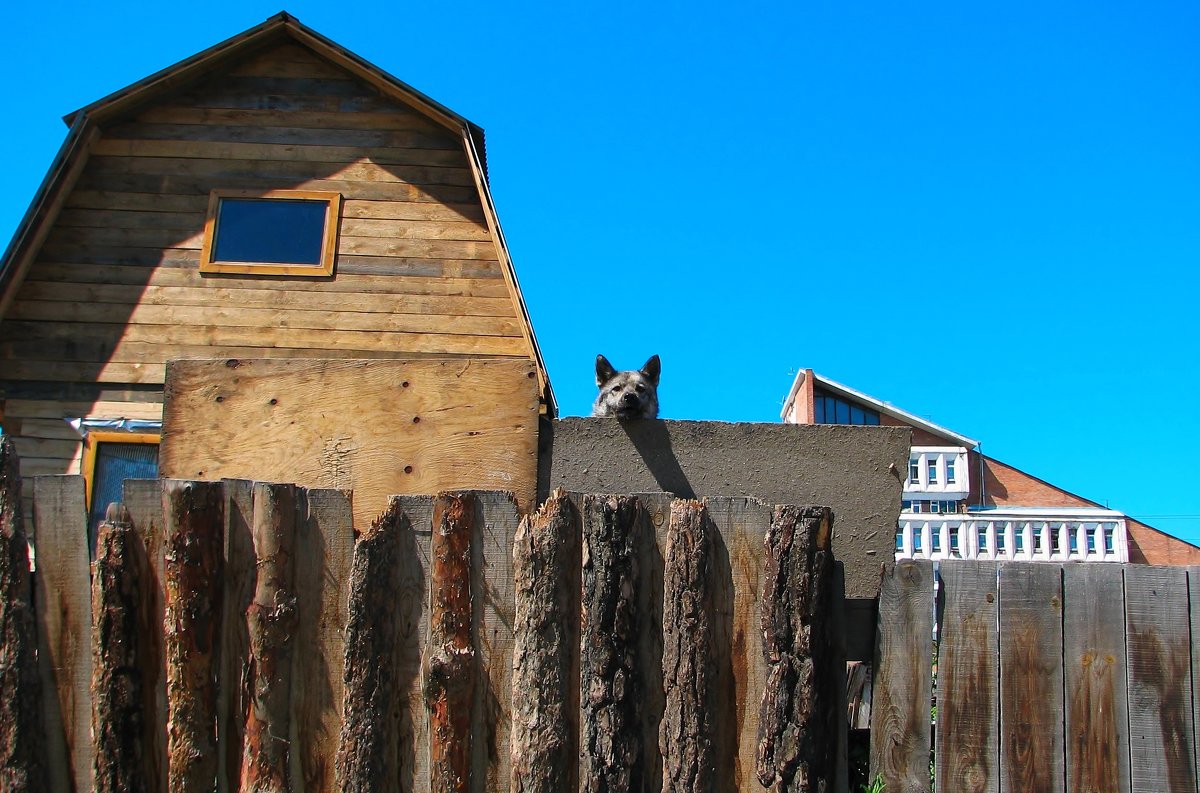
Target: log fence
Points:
(239, 636)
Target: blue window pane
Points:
(270, 231)
(116, 462)
(843, 412)
(872, 418)
(819, 410)
(899, 540)
(856, 415)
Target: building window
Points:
(1000, 538)
(1109, 538)
(1056, 537)
(914, 471)
(983, 543)
(1073, 537)
(931, 469)
(830, 409)
(1090, 534)
(1019, 539)
(950, 479)
(1037, 537)
(899, 539)
(279, 232)
(954, 542)
(906, 506)
(917, 534)
(109, 458)
(935, 539)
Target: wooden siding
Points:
(115, 291)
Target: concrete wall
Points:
(856, 471)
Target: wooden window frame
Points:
(333, 214)
(91, 447)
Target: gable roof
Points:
(886, 408)
(85, 125)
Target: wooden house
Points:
(275, 196)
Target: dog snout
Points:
(629, 400)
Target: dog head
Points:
(627, 395)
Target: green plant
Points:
(876, 786)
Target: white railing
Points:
(1083, 535)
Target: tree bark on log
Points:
(610, 714)
(194, 560)
(451, 682)
(689, 670)
(271, 622)
(118, 715)
(797, 736)
(22, 728)
(368, 749)
(545, 738)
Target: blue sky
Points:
(987, 214)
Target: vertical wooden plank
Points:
(1031, 678)
(22, 723)
(118, 599)
(1194, 614)
(143, 499)
(798, 699)
(610, 738)
(1097, 715)
(234, 646)
(412, 625)
(687, 735)
(1160, 686)
(545, 678)
(452, 680)
(495, 525)
(64, 610)
(370, 744)
(967, 750)
(324, 553)
(194, 516)
(739, 558)
(271, 623)
(903, 678)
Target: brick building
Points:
(960, 503)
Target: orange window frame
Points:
(91, 447)
(333, 214)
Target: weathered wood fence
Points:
(1077, 677)
(239, 636)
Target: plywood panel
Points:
(377, 427)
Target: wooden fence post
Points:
(194, 520)
(324, 554)
(271, 623)
(609, 697)
(797, 742)
(968, 691)
(903, 678)
(118, 704)
(143, 499)
(686, 733)
(63, 600)
(370, 737)
(545, 695)
(451, 682)
(22, 746)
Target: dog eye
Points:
(641, 388)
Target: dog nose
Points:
(629, 399)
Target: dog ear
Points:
(604, 370)
(652, 369)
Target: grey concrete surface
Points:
(856, 471)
